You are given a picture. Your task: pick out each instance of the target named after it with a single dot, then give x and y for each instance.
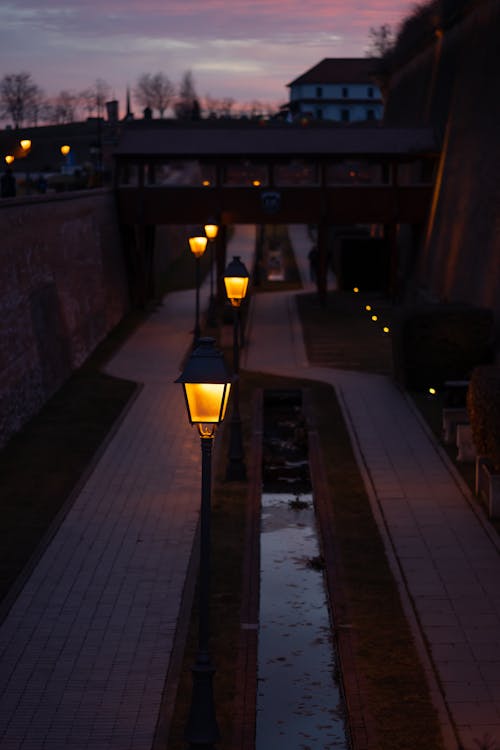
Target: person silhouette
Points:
(8, 184)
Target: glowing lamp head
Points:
(236, 279)
(25, 144)
(256, 183)
(198, 246)
(211, 230)
(355, 290)
(65, 150)
(9, 159)
(206, 385)
(386, 329)
(374, 318)
(432, 391)
(368, 308)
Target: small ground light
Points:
(374, 318)
(256, 183)
(432, 391)
(356, 289)
(386, 329)
(368, 308)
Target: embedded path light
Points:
(198, 246)
(211, 231)
(206, 385)
(236, 279)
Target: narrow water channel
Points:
(299, 701)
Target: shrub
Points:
(439, 343)
(483, 406)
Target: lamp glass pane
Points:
(198, 245)
(211, 231)
(207, 402)
(236, 286)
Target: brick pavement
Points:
(85, 649)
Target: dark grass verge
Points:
(395, 704)
(342, 334)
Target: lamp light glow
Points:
(207, 386)
(198, 246)
(368, 308)
(9, 159)
(236, 281)
(355, 290)
(65, 150)
(25, 144)
(211, 230)
(374, 318)
(432, 391)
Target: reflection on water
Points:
(299, 705)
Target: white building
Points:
(339, 89)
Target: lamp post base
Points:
(202, 730)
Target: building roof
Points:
(270, 141)
(339, 70)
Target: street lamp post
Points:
(198, 246)
(236, 279)
(206, 389)
(211, 230)
(25, 144)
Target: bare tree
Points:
(218, 107)
(18, 92)
(93, 99)
(64, 107)
(381, 40)
(187, 106)
(154, 91)
(36, 108)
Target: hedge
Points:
(483, 406)
(433, 344)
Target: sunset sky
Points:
(234, 48)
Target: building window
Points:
(370, 114)
(345, 115)
(345, 92)
(370, 92)
(319, 92)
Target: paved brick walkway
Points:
(85, 649)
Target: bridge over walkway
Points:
(271, 173)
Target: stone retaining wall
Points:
(63, 287)
(451, 86)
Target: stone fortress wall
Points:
(452, 85)
(63, 287)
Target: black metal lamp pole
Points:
(202, 730)
(206, 389)
(198, 246)
(236, 469)
(236, 282)
(197, 307)
(211, 230)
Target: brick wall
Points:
(63, 287)
(452, 85)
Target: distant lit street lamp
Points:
(198, 246)
(25, 144)
(211, 230)
(206, 386)
(9, 159)
(236, 279)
